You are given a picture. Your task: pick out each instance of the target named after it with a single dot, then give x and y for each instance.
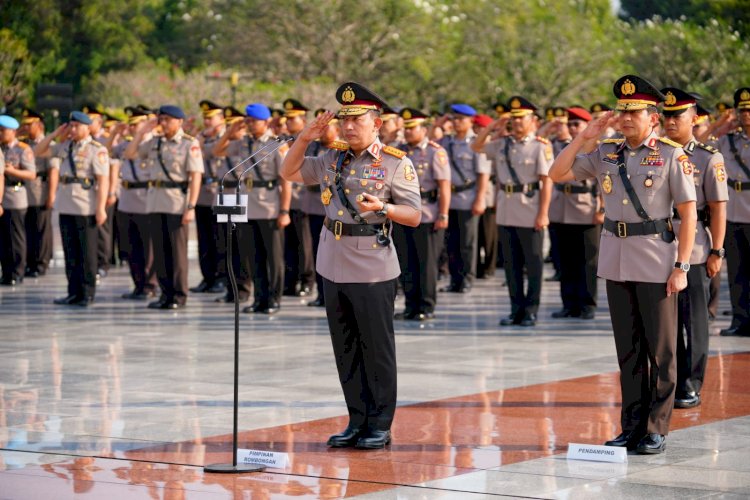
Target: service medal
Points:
(648, 182)
(607, 184)
(325, 196)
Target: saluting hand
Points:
(596, 128)
(316, 128)
(61, 130)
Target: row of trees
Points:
(418, 52)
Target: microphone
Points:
(280, 143)
(223, 177)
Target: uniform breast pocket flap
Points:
(368, 243)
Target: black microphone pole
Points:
(230, 210)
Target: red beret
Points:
(579, 114)
(482, 120)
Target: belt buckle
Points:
(269, 185)
(16, 187)
(338, 228)
(158, 183)
(738, 186)
(567, 188)
(508, 188)
(622, 230)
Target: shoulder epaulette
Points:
(340, 145)
(394, 152)
(188, 137)
(613, 140)
(435, 144)
(708, 148)
(541, 139)
(96, 143)
(23, 145)
(670, 142)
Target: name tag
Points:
(262, 457)
(597, 453)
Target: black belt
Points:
(625, 229)
(738, 185)
(207, 181)
(83, 181)
(574, 189)
(430, 196)
(169, 184)
(251, 184)
(464, 187)
(338, 228)
(136, 184)
(314, 188)
(14, 184)
(518, 188)
(703, 215)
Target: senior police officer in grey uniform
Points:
(20, 168)
(576, 214)
(418, 247)
(41, 192)
(470, 174)
(679, 113)
(81, 202)
(365, 186)
(175, 166)
(641, 177)
(735, 147)
(523, 195)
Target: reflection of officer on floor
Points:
(365, 188)
(641, 177)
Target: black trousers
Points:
(522, 249)
(137, 232)
(487, 244)
(578, 251)
(170, 241)
(316, 225)
(105, 236)
(264, 240)
(644, 321)
(298, 252)
(714, 284)
(211, 256)
(692, 331)
(554, 246)
(738, 272)
(13, 243)
(418, 249)
(79, 238)
(462, 246)
(38, 238)
(360, 317)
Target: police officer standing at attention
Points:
(523, 196)
(735, 147)
(365, 188)
(81, 202)
(20, 168)
(418, 247)
(175, 165)
(641, 177)
(679, 112)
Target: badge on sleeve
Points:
(408, 173)
(195, 150)
(548, 152)
(102, 156)
(721, 173)
(687, 167)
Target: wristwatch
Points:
(718, 252)
(443, 216)
(284, 212)
(190, 206)
(682, 266)
(383, 212)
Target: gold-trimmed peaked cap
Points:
(742, 98)
(91, 109)
(635, 93)
(210, 108)
(356, 99)
(676, 101)
(320, 111)
(292, 108)
(232, 115)
(412, 117)
(520, 106)
(136, 114)
(28, 115)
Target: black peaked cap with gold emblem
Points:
(210, 108)
(412, 117)
(520, 106)
(292, 108)
(742, 98)
(635, 93)
(677, 101)
(356, 99)
(232, 114)
(29, 115)
(91, 108)
(136, 114)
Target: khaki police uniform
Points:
(105, 233)
(360, 273)
(80, 163)
(15, 204)
(166, 202)
(637, 268)
(517, 209)
(39, 243)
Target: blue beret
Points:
(258, 111)
(80, 117)
(463, 109)
(8, 122)
(171, 110)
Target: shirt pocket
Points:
(648, 180)
(368, 243)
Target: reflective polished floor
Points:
(117, 401)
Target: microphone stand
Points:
(232, 212)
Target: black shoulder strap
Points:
(453, 162)
(132, 169)
(736, 154)
(340, 190)
(161, 160)
(513, 173)
(71, 161)
(629, 187)
(256, 171)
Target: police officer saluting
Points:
(642, 177)
(365, 186)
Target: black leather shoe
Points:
(735, 331)
(83, 301)
(253, 308)
(651, 444)
(564, 313)
(65, 301)
(136, 295)
(302, 291)
(171, 305)
(465, 288)
(32, 274)
(424, 316)
(554, 277)
(318, 302)
(374, 440)
(271, 308)
(588, 313)
(405, 315)
(627, 440)
(11, 281)
(218, 287)
(449, 288)
(347, 438)
(510, 320)
(157, 303)
(687, 400)
(201, 288)
(528, 320)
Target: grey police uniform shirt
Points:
(211, 166)
(37, 190)
(20, 156)
(181, 155)
(646, 258)
(310, 197)
(567, 207)
(710, 185)
(379, 172)
(262, 202)
(464, 160)
(531, 157)
(131, 200)
(738, 206)
(431, 162)
(229, 161)
(91, 160)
